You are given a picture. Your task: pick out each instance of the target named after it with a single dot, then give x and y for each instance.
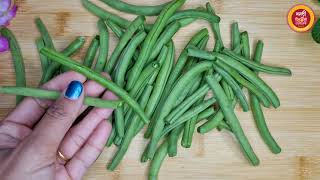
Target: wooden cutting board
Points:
(216, 155)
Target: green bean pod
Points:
(90, 74)
(215, 28)
(72, 48)
(112, 134)
(125, 38)
(170, 101)
(135, 9)
(53, 95)
(164, 38)
(205, 114)
(17, 60)
(235, 35)
(230, 116)
(126, 57)
(91, 52)
(173, 140)
(43, 60)
(258, 113)
(151, 39)
(256, 66)
(157, 161)
(114, 28)
(234, 86)
(193, 112)
(103, 14)
(246, 44)
(131, 131)
(196, 14)
(104, 46)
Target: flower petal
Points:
(4, 20)
(4, 44)
(4, 6)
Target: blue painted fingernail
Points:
(74, 90)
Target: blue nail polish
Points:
(74, 90)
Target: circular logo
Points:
(301, 18)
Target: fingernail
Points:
(74, 90)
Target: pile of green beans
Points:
(169, 97)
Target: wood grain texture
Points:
(214, 156)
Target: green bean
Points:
(183, 59)
(170, 101)
(151, 39)
(104, 46)
(235, 35)
(43, 59)
(135, 9)
(193, 112)
(258, 113)
(131, 131)
(215, 28)
(234, 86)
(157, 161)
(242, 69)
(224, 125)
(188, 132)
(125, 38)
(53, 95)
(119, 122)
(103, 14)
(68, 51)
(227, 89)
(205, 114)
(194, 13)
(115, 28)
(256, 66)
(90, 74)
(72, 48)
(187, 90)
(245, 42)
(164, 38)
(186, 21)
(230, 116)
(126, 57)
(17, 59)
(91, 52)
(161, 81)
(173, 140)
(238, 49)
(186, 104)
(117, 140)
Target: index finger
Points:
(30, 110)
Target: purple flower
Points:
(7, 13)
(4, 44)
(4, 6)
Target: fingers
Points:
(79, 134)
(50, 131)
(11, 134)
(30, 110)
(83, 159)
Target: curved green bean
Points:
(72, 48)
(126, 57)
(114, 28)
(173, 140)
(53, 95)
(164, 38)
(215, 28)
(17, 59)
(157, 161)
(196, 14)
(90, 74)
(170, 101)
(258, 113)
(104, 46)
(151, 39)
(256, 66)
(91, 52)
(125, 38)
(135, 9)
(103, 14)
(230, 116)
(234, 86)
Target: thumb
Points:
(59, 118)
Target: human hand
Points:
(36, 130)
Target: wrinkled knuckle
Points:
(95, 148)
(57, 112)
